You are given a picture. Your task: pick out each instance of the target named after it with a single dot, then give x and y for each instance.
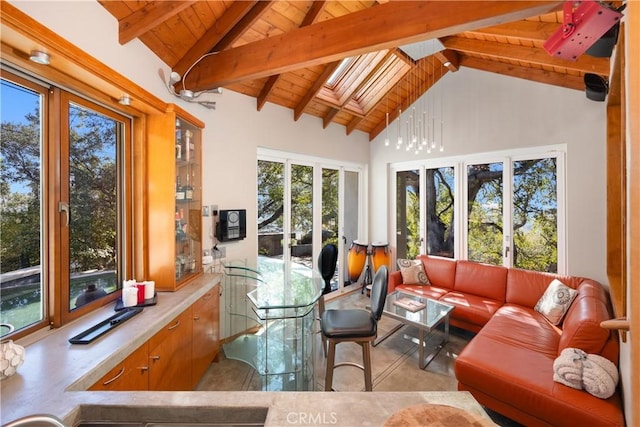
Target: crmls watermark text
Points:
(312, 418)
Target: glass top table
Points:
(424, 314)
(275, 314)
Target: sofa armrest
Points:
(395, 279)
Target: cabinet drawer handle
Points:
(118, 375)
(154, 358)
(143, 368)
(196, 317)
(170, 328)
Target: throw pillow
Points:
(413, 272)
(555, 301)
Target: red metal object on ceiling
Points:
(582, 27)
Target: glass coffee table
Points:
(423, 313)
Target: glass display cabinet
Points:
(174, 221)
(271, 307)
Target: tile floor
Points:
(394, 363)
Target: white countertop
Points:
(55, 375)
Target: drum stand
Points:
(367, 280)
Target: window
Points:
(62, 188)
(511, 213)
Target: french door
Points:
(305, 204)
(507, 210)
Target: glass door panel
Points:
(351, 225)
(92, 215)
(408, 214)
(331, 214)
(535, 215)
(21, 171)
(301, 231)
(270, 208)
(485, 213)
(440, 197)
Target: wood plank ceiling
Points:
(284, 52)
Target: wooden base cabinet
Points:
(176, 357)
(130, 375)
(170, 355)
(205, 345)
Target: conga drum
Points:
(381, 255)
(355, 260)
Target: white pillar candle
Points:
(130, 296)
(128, 283)
(149, 289)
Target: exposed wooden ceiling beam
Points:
(384, 26)
(527, 73)
(449, 59)
(353, 124)
(309, 18)
(328, 118)
(215, 34)
(311, 93)
(585, 63)
(526, 30)
(149, 17)
(243, 25)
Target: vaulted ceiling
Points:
(292, 53)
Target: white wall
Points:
(232, 132)
(486, 112)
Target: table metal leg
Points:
(388, 334)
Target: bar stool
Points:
(327, 261)
(355, 325)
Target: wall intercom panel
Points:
(232, 225)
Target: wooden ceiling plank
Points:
(380, 27)
(584, 63)
(310, 18)
(214, 35)
(149, 17)
(311, 93)
(537, 75)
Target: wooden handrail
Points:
(621, 323)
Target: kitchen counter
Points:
(56, 374)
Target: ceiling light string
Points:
(386, 90)
(184, 78)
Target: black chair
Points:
(327, 261)
(355, 325)
(327, 265)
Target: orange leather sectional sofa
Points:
(508, 364)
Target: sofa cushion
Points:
(412, 272)
(471, 308)
(555, 301)
(581, 327)
(441, 271)
(432, 292)
(525, 287)
(483, 280)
